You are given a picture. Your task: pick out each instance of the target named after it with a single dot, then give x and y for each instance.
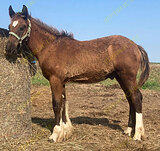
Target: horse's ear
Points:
(11, 11)
(25, 12)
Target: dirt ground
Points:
(99, 115)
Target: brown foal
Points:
(64, 59)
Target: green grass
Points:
(109, 82)
(39, 80)
(153, 82)
(151, 85)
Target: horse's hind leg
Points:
(134, 97)
(139, 128)
(132, 119)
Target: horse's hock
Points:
(15, 114)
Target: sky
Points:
(139, 20)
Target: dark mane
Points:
(47, 28)
(53, 30)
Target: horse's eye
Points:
(22, 28)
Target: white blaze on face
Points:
(15, 23)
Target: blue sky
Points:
(139, 20)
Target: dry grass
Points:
(94, 128)
(15, 116)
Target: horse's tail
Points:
(144, 66)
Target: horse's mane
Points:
(49, 29)
(53, 30)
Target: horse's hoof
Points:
(61, 132)
(139, 137)
(51, 141)
(128, 131)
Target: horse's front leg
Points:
(65, 117)
(56, 88)
(60, 130)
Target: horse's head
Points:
(19, 30)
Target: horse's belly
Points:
(90, 77)
(90, 72)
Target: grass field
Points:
(153, 83)
(99, 116)
(39, 80)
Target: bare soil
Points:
(99, 115)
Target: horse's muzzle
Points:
(12, 49)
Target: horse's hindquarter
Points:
(124, 54)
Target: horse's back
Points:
(105, 52)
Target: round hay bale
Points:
(4, 32)
(15, 113)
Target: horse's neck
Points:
(38, 39)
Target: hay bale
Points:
(15, 113)
(4, 32)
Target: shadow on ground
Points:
(49, 122)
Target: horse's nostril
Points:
(10, 49)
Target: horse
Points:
(4, 33)
(64, 59)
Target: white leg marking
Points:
(67, 116)
(15, 23)
(67, 130)
(57, 132)
(139, 129)
(62, 131)
(68, 126)
(63, 96)
(128, 131)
